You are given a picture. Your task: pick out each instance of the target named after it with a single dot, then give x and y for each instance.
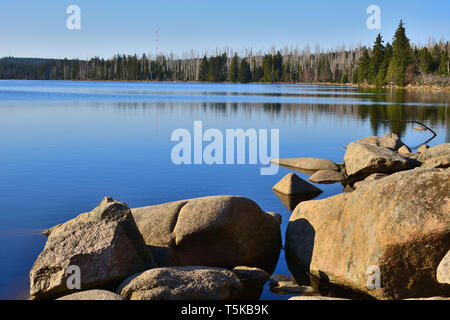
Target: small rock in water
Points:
(311, 164)
(253, 280)
(420, 128)
(326, 177)
(292, 184)
(283, 284)
(404, 150)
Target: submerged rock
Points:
(326, 177)
(92, 295)
(104, 244)
(218, 231)
(292, 184)
(182, 283)
(400, 223)
(310, 164)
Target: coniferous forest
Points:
(398, 63)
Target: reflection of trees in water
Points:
(377, 107)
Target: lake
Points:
(66, 145)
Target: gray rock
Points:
(390, 140)
(310, 164)
(219, 231)
(92, 295)
(253, 280)
(326, 177)
(292, 184)
(104, 243)
(443, 270)
(362, 159)
(182, 283)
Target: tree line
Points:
(400, 63)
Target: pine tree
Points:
(376, 59)
(233, 70)
(363, 67)
(203, 70)
(401, 56)
(268, 68)
(244, 73)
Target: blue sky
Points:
(37, 28)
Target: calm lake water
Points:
(66, 145)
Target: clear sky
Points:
(37, 28)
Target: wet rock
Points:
(182, 283)
(310, 164)
(93, 295)
(400, 223)
(218, 231)
(326, 177)
(104, 244)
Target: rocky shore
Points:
(393, 216)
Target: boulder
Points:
(283, 284)
(404, 150)
(369, 179)
(253, 280)
(93, 295)
(400, 223)
(326, 177)
(441, 150)
(422, 148)
(277, 216)
(362, 159)
(439, 162)
(218, 231)
(292, 184)
(182, 283)
(105, 244)
(443, 270)
(390, 140)
(309, 164)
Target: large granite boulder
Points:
(218, 231)
(363, 159)
(436, 157)
(327, 177)
(390, 140)
(105, 244)
(182, 283)
(90, 295)
(401, 224)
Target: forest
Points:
(400, 63)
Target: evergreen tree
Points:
(277, 67)
(376, 59)
(203, 70)
(268, 68)
(234, 68)
(363, 67)
(401, 56)
(244, 73)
